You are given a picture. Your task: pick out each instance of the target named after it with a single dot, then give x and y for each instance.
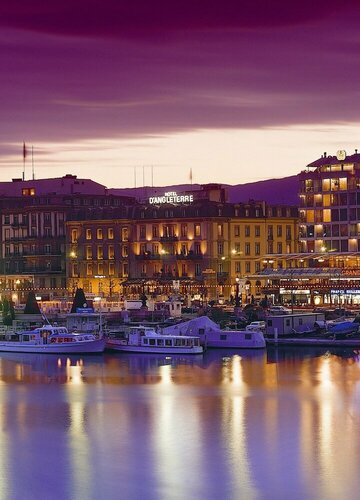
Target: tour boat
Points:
(145, 339)
(52, 339)
(211, 335)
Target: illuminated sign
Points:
(171, 197)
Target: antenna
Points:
(135, 176)
(32, 162)
(152, 175)
(143, 176)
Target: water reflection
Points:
(228, 424)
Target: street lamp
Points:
(98, 299)
(237, 296)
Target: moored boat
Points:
(144, 339)
(52, 340)
(211, 335)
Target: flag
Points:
(24, 150)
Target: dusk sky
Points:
(237, 91)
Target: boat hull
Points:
(92, 346)
(218, 344)
(326, 342)
(113, 346)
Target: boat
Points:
(211, 335)
(145, 339)
(334, 334)
(51, 339)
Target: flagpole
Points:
(24, 157)
(32, 162)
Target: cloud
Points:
(144, 18)
(110, 74)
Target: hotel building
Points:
(194, 242)
(326, 270)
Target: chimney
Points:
(325, 154)
(356, 151)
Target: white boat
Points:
(211, 335)
(52, 340)
(145, 339)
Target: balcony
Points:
(148, 256)
(189, 256)
(169, 238)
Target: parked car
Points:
(279, 310)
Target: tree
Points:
(8, 312)
(31, 307)
(79, 300)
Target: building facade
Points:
(195, 243)
(326, 269)
(33, 237)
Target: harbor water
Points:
(224, 425)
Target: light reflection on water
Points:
(235, 424)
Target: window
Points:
(197, 230)
(125, 270)
(110, 233)
(7, 219)
(220, 248)
(257, 248)
(142, 232)
(237, 230)
(100, 268)
(247, 266)
(124, 234)
(88, 234)
(197, 248)
(111, 251)
(238, 267)
(100, 252)
(124, 251)
(220, 230)
(155, 231)
(257, 230)
(197, 270)
(247, 249)
(184, 230)
(47, 249)
(237, 248)
(279, 231)
(89, 269)
(111, 269)
(88, 253)
(47, 217)
(99, 233)
(247, 230)
(288, 232)
(155, 249)
(47, 232)
(279, 247)
(74, 235)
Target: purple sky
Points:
(211, 86)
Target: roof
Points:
(69, 184)
(332, 160)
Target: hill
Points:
(283, 191)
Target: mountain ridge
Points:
(282, 191)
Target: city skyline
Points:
(235, 95)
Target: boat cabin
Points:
(147, 336)
(52, 335)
